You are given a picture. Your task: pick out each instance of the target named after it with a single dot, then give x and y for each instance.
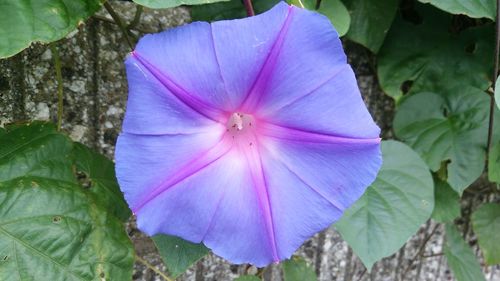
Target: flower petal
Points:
(145, 161)
(243, 46)
(335, 108)
(183, 59)
(308, 56)
(152, 109)
(219, 206)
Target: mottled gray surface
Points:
(95, 92)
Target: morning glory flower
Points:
(248, 135)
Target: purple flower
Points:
(249, 135)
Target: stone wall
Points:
(95, 92)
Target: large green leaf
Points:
(461, 259)
(486, 225)
(296, 269)
(449, 127)
(25, 21)
(370, 21)
(494, 162)
(178, 254)
(233, 9)
(333, 9)
(36, 149)
(446, 202)
(427, 57)
(392, 208)
(161, 4)
(51, 230)
(97, 174)
(471, 8)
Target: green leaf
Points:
(486, 225)
(392, 208)
(24, 22)
(334, 10)
(233, 9)
(471, 8)
(450, 127)
(494, 163)
(51, 230)
(446, 202)
(178, 254)
(162, 4)
(97, 174)
(461, 259)
(427, 57)
(296, 269)
(497, 92)
(36, 149)
(248, 278)
(370, 21)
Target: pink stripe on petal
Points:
(188, 99)
(300, 135)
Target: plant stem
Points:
(495, 74)
(57, 65)
(119, 22)
(153, 268)
(318, 4)
(249, 7)
(137, 17)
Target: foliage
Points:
(177, 253)
(49, 222)
(24, 22)
(443, 127)
(446, 202)
(473, 9)
(393, 207)
(460, 257)
(370, 21)
(486, 220)
(296, 269)
(62, 213)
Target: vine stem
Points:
(153, 268)
(119, 22)
(57, 65)
(495, 74)
(249, 7)
(318, 4)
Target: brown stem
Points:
(119, 22)
(249, 7)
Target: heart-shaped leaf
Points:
(24, 22)
(392, 208)
(97, 174)
(35, 149)
(51, 230)
(471, 8)
(427, 57)
(370, 21)
(461, 259)
(446, 202)
(486, 225)
(178, 254)
(449, 128)
(296, 269)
